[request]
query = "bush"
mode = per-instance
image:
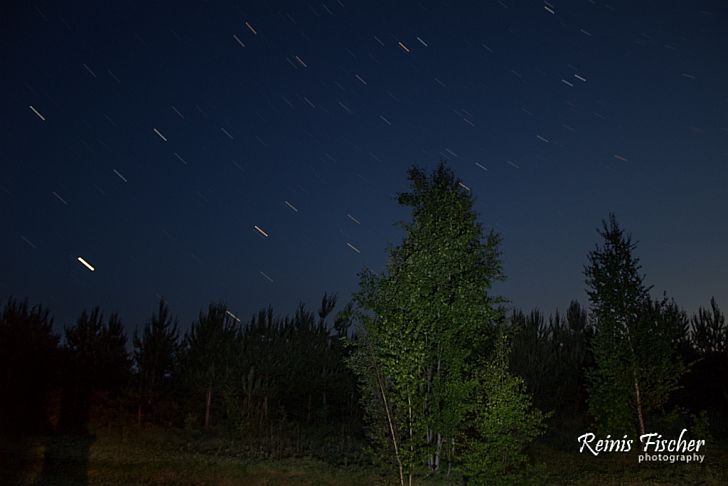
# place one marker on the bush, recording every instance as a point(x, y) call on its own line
point(505, 423)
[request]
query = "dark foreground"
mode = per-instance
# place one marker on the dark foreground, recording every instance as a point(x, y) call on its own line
point(166, 458)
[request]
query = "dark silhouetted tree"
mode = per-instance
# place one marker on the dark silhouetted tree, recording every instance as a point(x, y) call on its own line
point(709, 331)
point(207, 355)
point(551, 356)
point(28, 364)
point(707, 383)
point(637, 365)
point(97, 365)
point(155, 352)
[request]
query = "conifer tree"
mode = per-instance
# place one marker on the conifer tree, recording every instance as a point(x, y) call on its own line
point(155, 351)
point(709, 330)
point(96, 361)
point(28, 365)
point(207, 355)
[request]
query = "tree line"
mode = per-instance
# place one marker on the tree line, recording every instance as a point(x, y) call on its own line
point(426, 370)
point(270, 375)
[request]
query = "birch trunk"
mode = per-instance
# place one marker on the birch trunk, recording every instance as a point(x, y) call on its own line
point(640, 412)
point(380, 385)
point(208, 404)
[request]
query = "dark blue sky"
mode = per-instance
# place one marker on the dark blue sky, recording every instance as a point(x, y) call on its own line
point(554, 114)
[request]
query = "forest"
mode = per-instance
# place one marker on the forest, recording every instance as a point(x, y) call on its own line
point(425, 376)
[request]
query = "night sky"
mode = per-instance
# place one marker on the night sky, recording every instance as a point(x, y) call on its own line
point(152, 138)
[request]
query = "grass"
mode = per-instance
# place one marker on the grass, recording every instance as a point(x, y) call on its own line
point(160, 459)
point(623, 469)
point(178, 458)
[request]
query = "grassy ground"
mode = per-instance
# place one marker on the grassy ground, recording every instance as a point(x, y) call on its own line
point(150, 458)
point(572, 468)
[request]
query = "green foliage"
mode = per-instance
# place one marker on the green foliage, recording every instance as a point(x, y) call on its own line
point(504, 423)
point(658, 363)
point(611, 392)
point(427, 321)
point(634, 347)
point(701, 426)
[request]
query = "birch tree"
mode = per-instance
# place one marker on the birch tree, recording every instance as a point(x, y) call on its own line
point(427, 319)
point(636, 364)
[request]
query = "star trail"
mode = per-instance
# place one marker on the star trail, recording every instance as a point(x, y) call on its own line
point(250, 152)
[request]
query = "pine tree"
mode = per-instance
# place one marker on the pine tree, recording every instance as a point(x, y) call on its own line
point(96, 361)
point(28, 364)
point(707, 382)
point(207, 355)
point(709, 330)
point(550, 357)
point(155, 352)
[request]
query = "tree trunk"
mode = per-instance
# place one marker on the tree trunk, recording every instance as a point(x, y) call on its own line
point(208, 404)
point(450, 454)
point(265, 408)
point(391, 430)
point(380, 385)
point(439, 435)
point(412, 445)
point(640, 412)
point(308, 410)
